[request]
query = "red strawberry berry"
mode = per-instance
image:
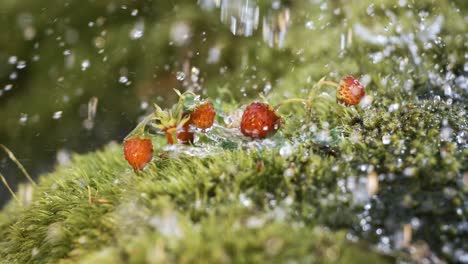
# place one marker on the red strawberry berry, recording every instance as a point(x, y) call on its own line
point(259, 121)
point(138, 152)
point(202, 117)
point(184, 135)
point(351, 91)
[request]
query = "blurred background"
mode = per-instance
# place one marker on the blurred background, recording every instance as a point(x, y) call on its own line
point(75, 75)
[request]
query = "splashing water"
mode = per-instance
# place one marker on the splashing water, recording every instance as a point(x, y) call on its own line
point(242, 16)
point(275, 26)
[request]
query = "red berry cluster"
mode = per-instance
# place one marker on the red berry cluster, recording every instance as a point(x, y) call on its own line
point(192, 115)
point(179, 124)
point(202, 118)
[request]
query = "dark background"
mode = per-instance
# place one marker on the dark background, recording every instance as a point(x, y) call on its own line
point(55, 56)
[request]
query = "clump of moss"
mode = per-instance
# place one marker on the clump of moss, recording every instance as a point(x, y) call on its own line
point(177, 210)
point(293, 199)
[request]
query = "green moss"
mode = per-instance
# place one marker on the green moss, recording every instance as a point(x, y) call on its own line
point(178, 209)
point(227, 207)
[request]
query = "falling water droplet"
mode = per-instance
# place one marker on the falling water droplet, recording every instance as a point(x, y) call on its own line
point(13, 76)
point(8, 87)
point(88, 123)
point(12, 60)
point(386, 139)
point(242, 16)
point(85, 65)
point(446, 133)
point(180, 33)
point(194, 74)
point(310, 25)
point(275, 27)
point(137, 30)
point(23, 118)
point(286, 150)
point(214, 55)
point(57, 115)
point(180, 76)
point(21, 65)
point(123, 79)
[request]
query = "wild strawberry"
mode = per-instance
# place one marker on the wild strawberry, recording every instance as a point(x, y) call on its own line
point(259, 121)
point(184, 135)
point(350, 92)
point(202, 117)
point(189, 111)
point(181, 132)
point(138, 152)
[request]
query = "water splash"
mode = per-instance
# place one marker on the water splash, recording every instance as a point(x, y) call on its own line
point(85, 64)
point(275, 27)
point(88, 123)
point(242, 16)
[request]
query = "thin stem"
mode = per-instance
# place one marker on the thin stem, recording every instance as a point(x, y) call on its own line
point(89, 195)
point(9, 189)
point(140, 128)
point(100, 200)
point(292, 100)
point(321, 83)
point(20, 166)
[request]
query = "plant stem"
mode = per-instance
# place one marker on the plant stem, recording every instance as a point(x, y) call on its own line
point(20, 166)
point(140, 128)
point(321, 83)
point(9, 189)
point(292, 100)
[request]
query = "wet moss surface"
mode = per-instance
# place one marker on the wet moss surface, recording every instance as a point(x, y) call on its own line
point(380, 182)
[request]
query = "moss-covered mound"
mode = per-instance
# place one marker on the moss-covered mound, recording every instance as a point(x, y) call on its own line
point(382, 181)
point(289, 198)
point(185, 210)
